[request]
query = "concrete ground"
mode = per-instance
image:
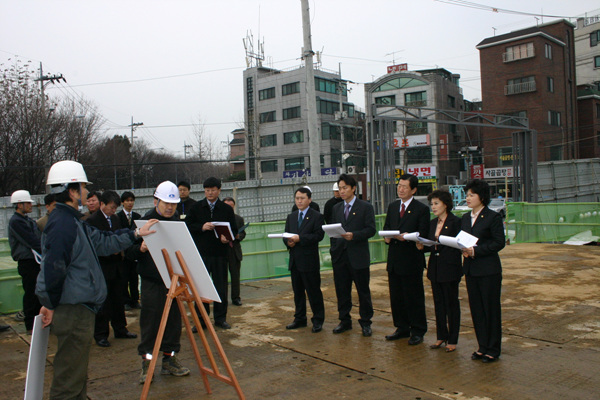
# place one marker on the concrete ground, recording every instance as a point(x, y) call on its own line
point(551, 348)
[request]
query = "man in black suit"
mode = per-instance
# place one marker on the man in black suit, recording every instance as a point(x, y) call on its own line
point(350, 255)
point(186, 203)
point(235, 256)
point(129, 275)
point(406, 263)
point(305, 265)
point(328, 209)
point(112, 310)
point(213, 250)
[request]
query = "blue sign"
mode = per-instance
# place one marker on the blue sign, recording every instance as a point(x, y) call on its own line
point(296, 173)
point(329, 171)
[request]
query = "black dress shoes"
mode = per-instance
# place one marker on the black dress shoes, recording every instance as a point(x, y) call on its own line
point(125, 335)
point(476, 356)
point(397, 335)
point(296, 325)
point(414, 340)
point(342, 327)
point(223, 325)
point(317, 327)
point(488, 359)
point(236, 302)
point(366, 330)
point(103, 343)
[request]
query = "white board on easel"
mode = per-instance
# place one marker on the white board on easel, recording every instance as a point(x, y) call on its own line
point(175, 236)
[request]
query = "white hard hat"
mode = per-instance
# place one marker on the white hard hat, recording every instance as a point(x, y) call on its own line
point(167, 192)
point(65, 172)
point(21, 196)
point(336, 188)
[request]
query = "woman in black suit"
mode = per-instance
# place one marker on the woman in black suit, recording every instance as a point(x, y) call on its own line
point(444, 271)
point(483, 270)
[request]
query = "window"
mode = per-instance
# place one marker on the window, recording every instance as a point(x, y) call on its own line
point(554, 118)
point(505, 156)
point(293, 112)
point(594, 38)
point(399, 83)
point(249, 93)
point(416, 127)
point(293, 137)
point(597, 62)
point(268, 116)
point(330, 132)
point(268, 140)
point(418, 155)
point(556, 153)
point(451, 102)
point(266, 93)
point(294, 163)
point(326, 85)
point(386, 100)
point(518, 52)
point(507, 121)
point(268, 166)
point(551, 85)
point(416, 99)
point(548, 51)
point(290, 88)
point(520, 85)
point(327, 106)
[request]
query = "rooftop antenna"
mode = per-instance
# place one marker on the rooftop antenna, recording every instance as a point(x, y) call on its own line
point(253, 58)
point(393, 54)
point(494, 30)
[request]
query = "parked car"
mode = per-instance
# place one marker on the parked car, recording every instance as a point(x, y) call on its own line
point(499, 205)
point(462, 206)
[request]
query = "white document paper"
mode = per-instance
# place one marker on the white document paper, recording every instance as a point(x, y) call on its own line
point(388, 233)
point(334, 230)
point(280, 235)
point(174, 236)
point(36, 366)
point(463, 240)
point(414, 237)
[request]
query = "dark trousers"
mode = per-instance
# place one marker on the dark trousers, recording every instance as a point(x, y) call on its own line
point(447, 310)
point(407, 299)
point(112, 311)
point(484, 301)
point(154, 297)
point(234, 271)
point(29, 270)
point(343, 276)
point(73, 325)
point(217, 268)
point(130, 282)
point(303, 284)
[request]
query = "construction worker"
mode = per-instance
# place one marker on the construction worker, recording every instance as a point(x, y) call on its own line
point(70, 285)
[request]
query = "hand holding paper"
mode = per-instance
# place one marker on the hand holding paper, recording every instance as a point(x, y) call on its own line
point(334, 230)
point(462, 241)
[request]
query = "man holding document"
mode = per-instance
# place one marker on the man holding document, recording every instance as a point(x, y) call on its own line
point(406, 263)
point(350, 255)
point(201, 221)
point(305, 266)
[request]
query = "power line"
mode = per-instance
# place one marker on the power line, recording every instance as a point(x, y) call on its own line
point(477, 6)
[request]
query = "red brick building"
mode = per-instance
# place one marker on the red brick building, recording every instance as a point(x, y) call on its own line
point(237, 146)
point(531, 73)
point(588, 105)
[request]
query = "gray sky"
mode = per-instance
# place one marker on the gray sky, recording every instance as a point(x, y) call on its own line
point(167, 63)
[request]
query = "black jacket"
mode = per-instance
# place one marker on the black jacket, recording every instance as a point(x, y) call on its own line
point(146, 267)
point(123, 219)
point(112, 263)
point(305, 254)
point(328, 209)
point(206, 241)
point(489, 229)
point(445, 263)
point(403, 256)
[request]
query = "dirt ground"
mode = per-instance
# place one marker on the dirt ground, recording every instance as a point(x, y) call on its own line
point(551, 344)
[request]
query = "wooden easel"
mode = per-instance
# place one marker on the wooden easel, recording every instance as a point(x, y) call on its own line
point(181, 285)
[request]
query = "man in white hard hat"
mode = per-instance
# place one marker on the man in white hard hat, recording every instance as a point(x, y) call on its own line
point(154, 292)
point(328, 209)
point(70, 285)
point(23, 237)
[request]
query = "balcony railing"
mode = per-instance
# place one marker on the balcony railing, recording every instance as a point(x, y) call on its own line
point(517, 88)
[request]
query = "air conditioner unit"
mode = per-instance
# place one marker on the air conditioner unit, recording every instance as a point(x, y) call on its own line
point(351, 169)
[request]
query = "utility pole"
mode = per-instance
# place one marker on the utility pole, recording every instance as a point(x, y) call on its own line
point(43, 78)
point(341, 119)
point(311, 101)
point(185, 149)
point(133, 127)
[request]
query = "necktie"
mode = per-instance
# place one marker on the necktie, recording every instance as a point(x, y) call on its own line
point(212, 208)
point(129, 218)
point(402, 209)
point(347, 211)
point(300, 218)
point(109, 222)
